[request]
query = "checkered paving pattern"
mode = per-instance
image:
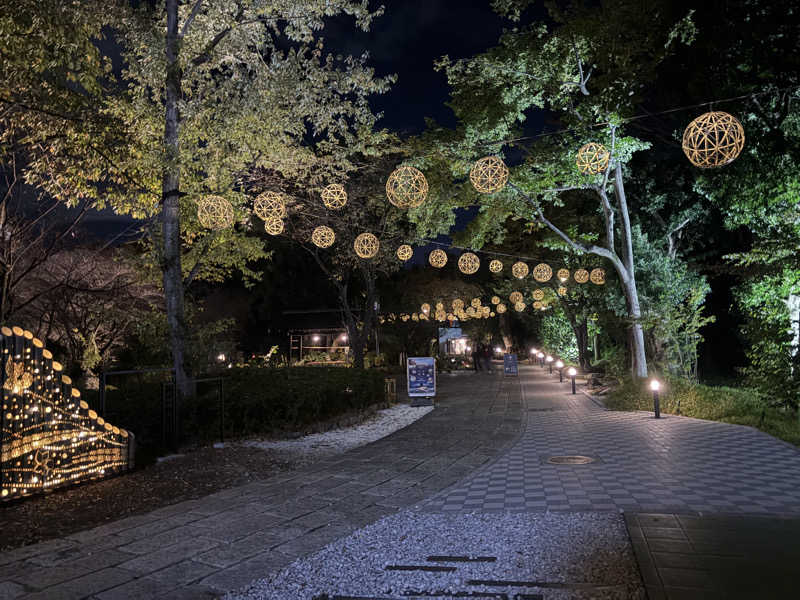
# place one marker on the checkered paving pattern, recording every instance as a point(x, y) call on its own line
point(672, 464)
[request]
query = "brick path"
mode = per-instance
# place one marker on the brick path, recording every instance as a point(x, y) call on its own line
point(200, 548)
point(673, 464)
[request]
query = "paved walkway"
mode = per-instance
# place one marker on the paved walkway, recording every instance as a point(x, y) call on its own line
point(484, 448)
point(200, 548)
point(672, 464)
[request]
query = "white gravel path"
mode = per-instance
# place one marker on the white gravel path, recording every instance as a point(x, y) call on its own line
point(571, 555)
point(313, 447)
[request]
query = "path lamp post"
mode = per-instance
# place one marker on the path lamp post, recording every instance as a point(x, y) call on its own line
point(572, 372)
point(549, 360)
point(560, 367)
point(655, 385)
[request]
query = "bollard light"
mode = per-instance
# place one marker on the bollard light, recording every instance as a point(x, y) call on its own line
point(560, 367)
point(572, 372)
point(655, 385)
point(549, 361)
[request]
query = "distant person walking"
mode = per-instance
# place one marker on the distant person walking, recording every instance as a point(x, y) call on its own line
point(476, 358)
point(487, 358)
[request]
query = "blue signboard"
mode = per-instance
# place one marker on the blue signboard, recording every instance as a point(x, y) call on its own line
point(421, 371)
point(510, 365)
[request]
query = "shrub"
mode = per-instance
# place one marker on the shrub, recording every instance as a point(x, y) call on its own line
point(714, 403)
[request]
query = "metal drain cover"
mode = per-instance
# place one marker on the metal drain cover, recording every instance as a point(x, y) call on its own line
point(570, 460)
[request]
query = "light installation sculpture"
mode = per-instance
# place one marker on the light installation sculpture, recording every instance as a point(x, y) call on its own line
point(269, 205)
point(713, 139)
point(323, 236)
point(469, 263)
point(495, 266)
point(437, 258)
point(215, 212)
point(366, 245)
point(489, 174)
point(519, 270)
point(593, 159)
point(405, 252)
point(334, 196)
point(406, 187)
point(597, 276)
point(581, 275)
point(49, 437)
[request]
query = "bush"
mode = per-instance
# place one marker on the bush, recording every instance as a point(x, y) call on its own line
point(258, 401)
point(724, 404)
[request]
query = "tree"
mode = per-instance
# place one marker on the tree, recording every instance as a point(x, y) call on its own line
point(536, 67)
point(208, 90)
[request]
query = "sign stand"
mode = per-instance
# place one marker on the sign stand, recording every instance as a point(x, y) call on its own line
point(421, 377)
point(510, 367)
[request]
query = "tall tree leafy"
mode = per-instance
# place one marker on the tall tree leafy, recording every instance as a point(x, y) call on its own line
point(207, 90)
point(590, 67)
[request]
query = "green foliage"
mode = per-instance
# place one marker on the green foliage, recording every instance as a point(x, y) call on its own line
point(725, 404)
point(557, 336)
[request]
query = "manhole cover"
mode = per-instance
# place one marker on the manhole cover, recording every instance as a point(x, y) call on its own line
point(570, 460)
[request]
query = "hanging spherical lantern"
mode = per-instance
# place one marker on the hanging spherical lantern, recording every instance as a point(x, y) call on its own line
point(366, 245)
point(537, 305)
point(563, 274)
point(519, 306)
point(437, 258)
point(476, 302)
point(495, 266)
point(334, 196)
point(501, 308)
point(542, 272)
point(406, 187)
point(405, 252)
point(538, 294)
point(598, 276)
point(713, 139)
point(458, 304)
point(414, 317)
point(515, 297)
point(404, 317)
point(468, 263)
point(273, 226)
point(489, 174)
point(269, 205)
point(425, 307)
point(495, 300)
point(519, 270)
point(581, 275)
point(562, 291)
point(492, 314)
point(450, 317)
point(592, 159)
point(423, 316)
point(323, 236)
point(440, 315)
point(215, 212)
point(470, 311)
point(440, 306)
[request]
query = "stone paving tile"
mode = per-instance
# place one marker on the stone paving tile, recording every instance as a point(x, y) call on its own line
point(200, 548)
point(668, 464)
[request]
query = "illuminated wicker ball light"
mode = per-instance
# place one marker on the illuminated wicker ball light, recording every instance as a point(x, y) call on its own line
point(495, 300)
point(489, 175)
point(519, 270)
point(406, 187)
point(501, 308)
point(323, 236)
point(426, 308)
point(274, 226)
point(542, 272)
point(215, 212)
point(537, 305)
point(495, 266)
point(270, 205)
point(593, 159)
point(334, 196)
point(581, 275)
point(366, 245)
point(437, 258)
point(469, 263)
point(476, 302)
point(562, 291)
point(538, 294)
point(597, 276)
point(458, 304)
point(713, 139)
point(563, 274)
point(405, 252)
point(519, 306)
point(515, 297)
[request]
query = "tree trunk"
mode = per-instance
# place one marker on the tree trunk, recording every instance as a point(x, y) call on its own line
point(170, 213)
point(582, 337)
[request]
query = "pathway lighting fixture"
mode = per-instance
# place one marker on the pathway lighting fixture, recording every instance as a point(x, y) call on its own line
point(560, 367)
point(549, 360)
point(315, 338)
point(541, 358)
point(221, 357)
point(469, 348)
point(498, 349)
point(572, 372)
point(655, 385)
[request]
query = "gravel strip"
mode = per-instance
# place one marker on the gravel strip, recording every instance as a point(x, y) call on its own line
point(569, 555)
point(313, 447)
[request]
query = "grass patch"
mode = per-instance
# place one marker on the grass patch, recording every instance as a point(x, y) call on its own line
point(713, 403)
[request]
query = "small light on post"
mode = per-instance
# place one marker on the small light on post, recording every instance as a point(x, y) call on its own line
point(572, 372)
point(221, 357)
point(498, 349)
point(655, 385)
point(560, 367)
point(315, 338)
point(549, 361)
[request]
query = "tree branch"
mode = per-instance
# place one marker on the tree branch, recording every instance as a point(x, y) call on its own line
point(203, 251)
point(190, 18)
